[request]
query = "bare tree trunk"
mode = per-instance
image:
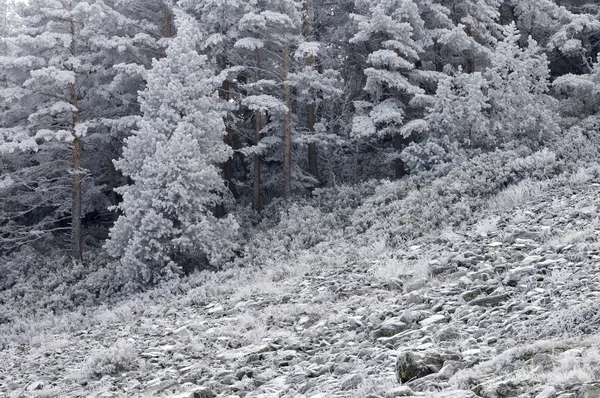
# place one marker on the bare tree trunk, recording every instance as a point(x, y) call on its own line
point(77, 197)
point(287, 126)
point(229, 136)
point(399, 145)
point(256, 197)
point(439, 64)
point(471, 54)
point(112, 181)
point(166, 27)
point(256, 194)
point(313, 159)
point(313, 154)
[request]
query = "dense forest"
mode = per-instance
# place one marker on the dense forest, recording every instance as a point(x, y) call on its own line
point(153, 138)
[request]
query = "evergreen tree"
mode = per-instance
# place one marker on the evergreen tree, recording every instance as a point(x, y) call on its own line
point(172, 160)
point(393, 31)
point(505, 106)
point(69, 79)
point(270, 32)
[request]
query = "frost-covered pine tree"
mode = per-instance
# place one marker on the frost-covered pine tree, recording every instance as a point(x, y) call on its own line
point(522, 112)
point(314, 86)
point(269, 33)
point(576, 42)
point(506, 105)
point(167, 222)
point(70, 89)
point(43, 116)
point(394, 31)
point(219, 23)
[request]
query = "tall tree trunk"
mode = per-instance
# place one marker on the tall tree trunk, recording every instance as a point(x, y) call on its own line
point(225, 94)
point(471, 54)
point(112, 181)
point(439, 64)
point(399, 145)
point(256, 197)
point(77, 197)
point(166, 27)
point(258, 120)
point(313, 164)
point(287, 125)
point(313, 154)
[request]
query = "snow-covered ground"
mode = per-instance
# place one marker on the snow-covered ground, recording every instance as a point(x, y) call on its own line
point(507, 305)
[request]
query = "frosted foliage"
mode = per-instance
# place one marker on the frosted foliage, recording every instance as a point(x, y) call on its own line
point(507, 102)
point(519, 80)
point(173, 161)
point(59, 82)
point(459, 110)
point(395, 32)
point(581, 93)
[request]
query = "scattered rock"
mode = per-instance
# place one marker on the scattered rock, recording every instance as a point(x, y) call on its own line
point(414, 365)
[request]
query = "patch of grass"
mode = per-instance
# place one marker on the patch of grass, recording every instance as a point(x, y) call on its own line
point(518, 194)
point(119, 358)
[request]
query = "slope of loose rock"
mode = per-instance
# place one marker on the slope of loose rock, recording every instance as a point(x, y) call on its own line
point(507, 306)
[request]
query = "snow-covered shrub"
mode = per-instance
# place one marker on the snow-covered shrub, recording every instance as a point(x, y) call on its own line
point(409, 208)
point(109, 361)
point(579, 144)
point(518, 194)
point(35, 283)
point(577, 320)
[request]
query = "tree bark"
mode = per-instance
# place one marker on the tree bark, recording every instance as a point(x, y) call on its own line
point(258, 120)
point(77, 197)
point(256, 197)
point(287, 125)
point(313, 156)
point(229, 136)
point(399, 145)
point(471, 54)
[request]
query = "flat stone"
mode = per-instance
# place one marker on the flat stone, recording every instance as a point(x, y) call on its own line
point(490, 301)
point(438, 318)
point(351, 382)
point(547, 392)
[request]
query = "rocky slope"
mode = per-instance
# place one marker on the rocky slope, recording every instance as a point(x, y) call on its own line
point(507, 306)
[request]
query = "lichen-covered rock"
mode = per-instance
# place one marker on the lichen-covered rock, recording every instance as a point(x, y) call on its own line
point(414, 365)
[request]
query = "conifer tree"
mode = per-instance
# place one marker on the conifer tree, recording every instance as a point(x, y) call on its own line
point(173, 159)
point(395, 32)
point(69, 81)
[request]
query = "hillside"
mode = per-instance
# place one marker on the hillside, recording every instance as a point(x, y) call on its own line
point(504, 305)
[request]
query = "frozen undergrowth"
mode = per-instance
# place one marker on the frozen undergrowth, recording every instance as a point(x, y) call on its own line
point(294, 256)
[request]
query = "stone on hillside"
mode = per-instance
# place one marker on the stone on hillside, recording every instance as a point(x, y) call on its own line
point(437, 269)
point(502, 389)
point(438, 318)
point(514, 276)
point(351, 382)
point(412, 365)
point(447, 334)
point(416, 285)
point(456, 394)
point(489, 301)
point(390, 328)
point(531, 260)
point(36, 385)
point(471, 294)
point(548, 392)
point(402, 391)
